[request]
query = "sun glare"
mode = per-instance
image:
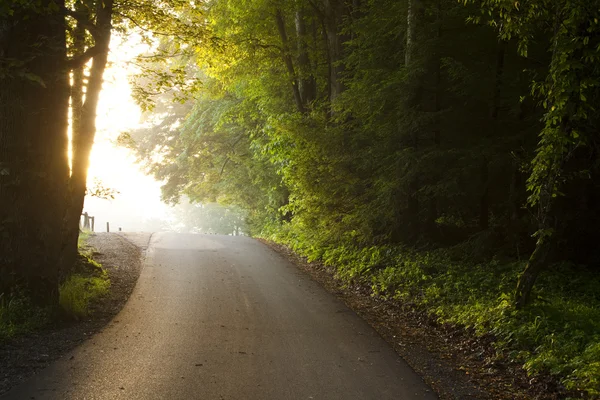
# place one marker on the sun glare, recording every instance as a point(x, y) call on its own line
point(115, 167)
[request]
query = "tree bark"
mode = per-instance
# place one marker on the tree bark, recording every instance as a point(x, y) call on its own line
point(484, 201)
point(33, 151)
point(437, 107)
point(414, 19)
point(307, 83)
point(500, 54)
point(78, 75)
point(84, 133)
point(535, 265)
point(334, 14)
point(287, 59)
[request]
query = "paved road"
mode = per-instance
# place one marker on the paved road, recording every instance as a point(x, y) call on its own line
point(219, 317)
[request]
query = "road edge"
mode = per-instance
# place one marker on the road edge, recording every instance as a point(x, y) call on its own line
point(24, 356)
point(413, 335)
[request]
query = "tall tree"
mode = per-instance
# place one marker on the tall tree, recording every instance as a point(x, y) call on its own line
point(566, 93)
point(96, 18)
point(34, 169)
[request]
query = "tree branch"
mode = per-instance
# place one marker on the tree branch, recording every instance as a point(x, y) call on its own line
point(223, 167)
point(140, 26)
point(316, 8)
point(287, 59)
point(83, 58)
point(83, 20)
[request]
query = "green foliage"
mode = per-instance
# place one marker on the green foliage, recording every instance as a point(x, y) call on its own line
point(428, 180)
point(97, 189)
point(569, 91)
point(557, 334)
point(18, 316)
point(88, 282)
point(82, 240)
point(76, 293)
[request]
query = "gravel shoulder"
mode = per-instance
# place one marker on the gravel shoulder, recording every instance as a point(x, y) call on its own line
point(122, 257)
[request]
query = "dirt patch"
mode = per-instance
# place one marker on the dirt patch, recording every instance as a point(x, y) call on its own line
point(453, 361)
point(22, 357)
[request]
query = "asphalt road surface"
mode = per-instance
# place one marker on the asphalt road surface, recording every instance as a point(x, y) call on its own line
point(220, 317)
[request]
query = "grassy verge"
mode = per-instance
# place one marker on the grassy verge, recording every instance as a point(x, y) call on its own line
point(87, 282)
point(559, 334)
point(18, 316)
point(82, 287)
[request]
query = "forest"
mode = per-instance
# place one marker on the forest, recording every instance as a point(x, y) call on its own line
point(443, 152)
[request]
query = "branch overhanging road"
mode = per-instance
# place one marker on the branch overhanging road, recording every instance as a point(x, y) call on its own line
point(220, 317)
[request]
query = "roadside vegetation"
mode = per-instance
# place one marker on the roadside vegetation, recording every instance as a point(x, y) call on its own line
point(443, 152)
point(87, 283)
point(558, 334)
point(18, 316)
point(80, 286)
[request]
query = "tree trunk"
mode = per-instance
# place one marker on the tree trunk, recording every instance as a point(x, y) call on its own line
point(414, 16)
point(78, 76)
point(334, 14)
point(307, 83)
point(33, 151)
point(484, 200)
point(535, 265)
point(414, 210)
point(495, 109)
point(515, 227)
point(414, 19)
point(83, 134)
point(437, 107)
point(287, 58)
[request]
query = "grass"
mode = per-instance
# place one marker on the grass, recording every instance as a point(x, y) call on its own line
point(18, 316)
point(82, 239)
point(89, 282)
point(78, 291)
point(558, 334)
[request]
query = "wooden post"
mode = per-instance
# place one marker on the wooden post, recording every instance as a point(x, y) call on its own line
point(93, 219)
point(86, 220)
point(107, 227)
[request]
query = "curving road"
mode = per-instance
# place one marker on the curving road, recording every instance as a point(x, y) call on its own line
point(220, 317)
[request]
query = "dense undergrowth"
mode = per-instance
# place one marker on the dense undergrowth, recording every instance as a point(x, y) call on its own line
point(558, 334)
point(86, 282)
